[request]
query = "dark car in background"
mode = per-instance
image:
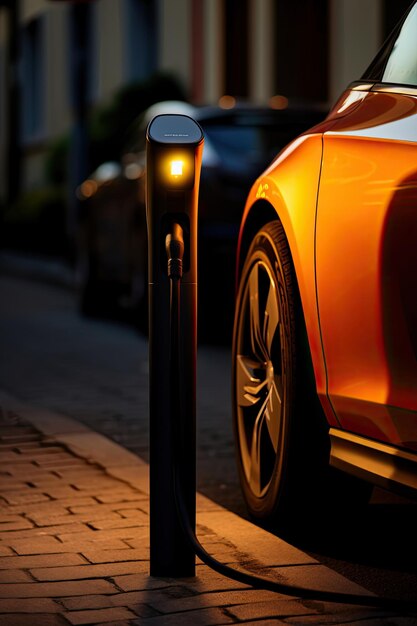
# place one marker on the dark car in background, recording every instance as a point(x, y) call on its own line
point(239, 143)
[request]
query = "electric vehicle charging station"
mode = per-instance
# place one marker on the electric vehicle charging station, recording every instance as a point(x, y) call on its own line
point(174, 150)
point(174, 153)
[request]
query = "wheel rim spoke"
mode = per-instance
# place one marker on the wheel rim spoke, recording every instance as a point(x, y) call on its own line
point(255, 448)
point(273, 416)
point(249, 385)
point(255, 466)
point(257, 342)
point(260, 379)
point(271, 319)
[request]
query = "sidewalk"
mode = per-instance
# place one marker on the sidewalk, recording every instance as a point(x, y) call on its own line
point(75, 550)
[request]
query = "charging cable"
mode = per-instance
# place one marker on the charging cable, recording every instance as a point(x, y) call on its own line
point(174, 244)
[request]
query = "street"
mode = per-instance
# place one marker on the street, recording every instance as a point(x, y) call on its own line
point(97, 372)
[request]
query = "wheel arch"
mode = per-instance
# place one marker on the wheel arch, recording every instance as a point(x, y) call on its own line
point(261, 212)
point(288, 191)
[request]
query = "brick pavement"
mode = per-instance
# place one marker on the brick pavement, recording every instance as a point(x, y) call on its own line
point(74, 545)
point(97, 372)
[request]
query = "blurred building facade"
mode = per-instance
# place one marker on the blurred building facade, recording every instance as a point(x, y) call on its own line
point(249, 49)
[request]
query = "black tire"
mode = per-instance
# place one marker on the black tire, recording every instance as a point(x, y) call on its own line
point(281, 434)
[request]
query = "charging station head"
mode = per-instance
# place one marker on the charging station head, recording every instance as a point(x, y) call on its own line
point(173, 141)
point(174, 130)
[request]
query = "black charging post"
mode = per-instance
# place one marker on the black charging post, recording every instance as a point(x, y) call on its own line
point(174, 150)
point(173, 160)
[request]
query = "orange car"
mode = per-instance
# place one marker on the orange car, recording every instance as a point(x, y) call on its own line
point(325, 333)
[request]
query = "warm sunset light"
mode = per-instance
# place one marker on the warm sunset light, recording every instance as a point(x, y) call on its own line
point(208, 288)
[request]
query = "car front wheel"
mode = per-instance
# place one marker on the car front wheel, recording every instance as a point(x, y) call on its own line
point(281, 434)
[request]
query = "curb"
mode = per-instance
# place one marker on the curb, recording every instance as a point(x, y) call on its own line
point(264, 551)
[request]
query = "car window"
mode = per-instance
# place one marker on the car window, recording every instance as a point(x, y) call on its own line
point(402, 63)
point(396, 62)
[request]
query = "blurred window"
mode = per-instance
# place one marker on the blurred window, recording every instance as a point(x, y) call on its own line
point(92, 52)
point(301, 41)
point(402, 63)
point(236, 43)
point(33, 79)
point(83, 53)
point(140, 39)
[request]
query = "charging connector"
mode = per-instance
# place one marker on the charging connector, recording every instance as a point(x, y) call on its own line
point(174, 245)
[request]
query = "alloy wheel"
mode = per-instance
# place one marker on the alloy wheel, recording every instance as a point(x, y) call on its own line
point(260, 376)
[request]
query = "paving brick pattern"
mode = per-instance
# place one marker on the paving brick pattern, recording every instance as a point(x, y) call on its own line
point(98, 374)
point(74, 550)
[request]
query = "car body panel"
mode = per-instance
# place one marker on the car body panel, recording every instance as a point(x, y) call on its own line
point(366, 267)
point(360, 307)
point(294, 199)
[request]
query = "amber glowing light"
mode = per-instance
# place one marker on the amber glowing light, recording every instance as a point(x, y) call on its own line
point(176, 168)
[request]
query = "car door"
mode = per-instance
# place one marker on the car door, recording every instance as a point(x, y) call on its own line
point(366, 247)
